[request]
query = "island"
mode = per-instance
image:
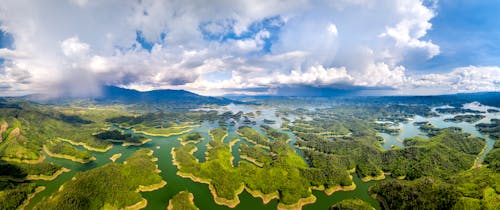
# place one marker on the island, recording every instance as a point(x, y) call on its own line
point(109, 186)
point(184, 200)
point(61, 149)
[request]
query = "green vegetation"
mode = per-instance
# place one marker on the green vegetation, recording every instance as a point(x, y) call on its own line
point(16, 147)
point(473, 189)
point(491, 129)
point(456, 151)
point(163, 131)
point(119, 136)
point(12, 195)
point(253, 136)
point(455, 110)
point(110, 186)
point(191, 138)
point(493, 158)
point(282, 168)
point(218, 134)
point(65, 150)
point(469, 118)
point(22, 171)
point(182, 201)
point(352, 204)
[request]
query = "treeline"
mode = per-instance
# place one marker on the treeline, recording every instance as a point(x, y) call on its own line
point(119, 136)
point(471, 189)
point(22, 170)
point(491, 129)
point(455, 151)
point(253, 136)
point(12, 195)
point(109, 186)
point(191, 138)
point(493, 157)
point(282, 169)
point(64, 148)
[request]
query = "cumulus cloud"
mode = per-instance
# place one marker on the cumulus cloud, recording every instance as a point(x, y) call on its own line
point(72, 47)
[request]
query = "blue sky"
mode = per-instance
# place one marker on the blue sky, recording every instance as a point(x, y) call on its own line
point(260, 47)
point(467, 32)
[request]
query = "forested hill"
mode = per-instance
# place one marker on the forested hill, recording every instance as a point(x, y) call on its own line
point(156, 99)
point(112, 94)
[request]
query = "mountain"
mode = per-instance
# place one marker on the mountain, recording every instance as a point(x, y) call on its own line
point(112, 94)
point(155, 99)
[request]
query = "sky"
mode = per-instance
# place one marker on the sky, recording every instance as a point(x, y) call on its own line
point(258, 47)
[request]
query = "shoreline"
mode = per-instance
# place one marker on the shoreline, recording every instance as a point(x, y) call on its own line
point(476, 163)
point(266, 198)
point(84, 145)
point(218, 200)
point(183, 143)
point(139, 205)
point(15, 160)
point(68, 157)
point(231, 203)
point(152, 187)
point(191, 201)
point(162, 135)
point(115, 157)
point(126, 144)
point(47, 177)
point(252, 160)
point(252, 141)
point(297, 206)
point(31, 196)
point(222, 139)
point(372, 178)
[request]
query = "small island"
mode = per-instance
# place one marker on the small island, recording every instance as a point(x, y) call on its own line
point(119, 136)
point(115, 157)
point(353, 203)
point(61, 149)
point(184, 200)
point(193, 138)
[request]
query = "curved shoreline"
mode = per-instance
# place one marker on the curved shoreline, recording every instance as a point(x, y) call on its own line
point(252, 141)
point(266, 198)
point(222, 139)
point(126, 144)
point(191, 201)
point(139, 205)
point(84, 145)
point(31, 196)
point(47, 177)
point(162, 135)
point(220, 201)
point(252, 160)
point(152, 187)
point(372, 178)
point(115, 157)
point(297, 206)
point(196, 141)
point(69, 157)
point(15, 160)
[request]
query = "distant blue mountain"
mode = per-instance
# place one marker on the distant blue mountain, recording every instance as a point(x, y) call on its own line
point(112, 94)
point(158, 99)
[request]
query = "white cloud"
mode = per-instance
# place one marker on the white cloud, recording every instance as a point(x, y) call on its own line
point(72, 47)
point(332, 28)
point(462, 79)
point(65, 45)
